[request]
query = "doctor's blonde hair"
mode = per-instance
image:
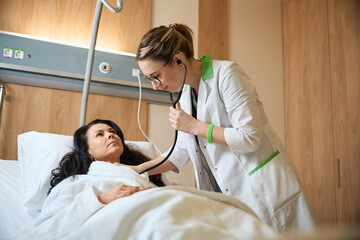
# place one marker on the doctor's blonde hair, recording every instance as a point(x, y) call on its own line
point(162, 43)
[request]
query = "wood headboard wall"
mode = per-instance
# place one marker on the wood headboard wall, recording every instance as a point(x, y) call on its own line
point(71, 21)
point(56, 111)
point(213, 31)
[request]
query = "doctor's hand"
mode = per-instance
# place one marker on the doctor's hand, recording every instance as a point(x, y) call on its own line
point(117, 192)
point(182, 121)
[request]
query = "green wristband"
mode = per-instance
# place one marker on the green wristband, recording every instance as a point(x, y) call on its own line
point(209, 133)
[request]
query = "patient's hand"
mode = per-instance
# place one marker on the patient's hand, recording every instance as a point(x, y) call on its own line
point(118, 192)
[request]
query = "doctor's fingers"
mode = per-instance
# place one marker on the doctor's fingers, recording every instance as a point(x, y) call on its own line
point(177, 109)
point(177, 113)
point(173, 115)
point(175, 122)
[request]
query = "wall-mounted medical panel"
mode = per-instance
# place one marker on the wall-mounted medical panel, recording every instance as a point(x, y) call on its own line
point(47, 63)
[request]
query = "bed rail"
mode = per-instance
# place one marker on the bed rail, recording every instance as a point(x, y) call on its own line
point(2, 94)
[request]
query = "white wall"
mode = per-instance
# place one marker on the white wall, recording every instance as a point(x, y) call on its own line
point(166, 12)
point(255, 39)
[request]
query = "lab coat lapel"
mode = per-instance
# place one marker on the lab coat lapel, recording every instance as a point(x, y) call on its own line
point(202, 99)
point(186, 101)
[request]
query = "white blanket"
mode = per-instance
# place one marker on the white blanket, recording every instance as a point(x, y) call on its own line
point(72, 211)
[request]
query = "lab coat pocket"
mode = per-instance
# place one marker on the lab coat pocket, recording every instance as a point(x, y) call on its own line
point(276, 183)
point(272, 175)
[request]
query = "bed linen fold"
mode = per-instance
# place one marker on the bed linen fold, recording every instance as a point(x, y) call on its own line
point(72, 211)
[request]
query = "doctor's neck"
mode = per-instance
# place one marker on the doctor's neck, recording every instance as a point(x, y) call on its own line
point(194, 73)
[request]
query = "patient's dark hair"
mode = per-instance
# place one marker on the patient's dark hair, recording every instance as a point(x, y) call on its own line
point(78, 160)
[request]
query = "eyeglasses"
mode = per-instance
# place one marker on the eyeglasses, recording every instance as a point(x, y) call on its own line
point(155, 79)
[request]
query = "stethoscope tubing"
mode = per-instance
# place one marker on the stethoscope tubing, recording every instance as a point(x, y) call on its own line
point(176, 131)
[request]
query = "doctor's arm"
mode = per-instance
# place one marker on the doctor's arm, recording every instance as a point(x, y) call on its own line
point(239, 98)
point(166, 166)
point(184, 122)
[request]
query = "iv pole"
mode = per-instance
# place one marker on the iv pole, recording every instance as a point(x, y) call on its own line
point(90, 59)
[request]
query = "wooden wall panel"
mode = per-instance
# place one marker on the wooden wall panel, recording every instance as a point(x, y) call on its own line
point(286, 1)
point(71, 21)
point(308, 103)
point(213, 29)
point(55, 111)
point(344, 38)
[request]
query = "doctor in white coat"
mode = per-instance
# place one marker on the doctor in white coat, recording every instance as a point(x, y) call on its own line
point(223, 129)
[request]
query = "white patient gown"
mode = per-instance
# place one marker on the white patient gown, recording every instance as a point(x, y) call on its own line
point(74, 200)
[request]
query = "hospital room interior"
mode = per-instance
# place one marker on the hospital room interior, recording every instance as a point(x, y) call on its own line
point(303, 56)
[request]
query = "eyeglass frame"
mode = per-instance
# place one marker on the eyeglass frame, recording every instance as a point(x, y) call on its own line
point(155, 79)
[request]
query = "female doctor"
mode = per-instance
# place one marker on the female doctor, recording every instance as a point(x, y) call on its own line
point(223, 129)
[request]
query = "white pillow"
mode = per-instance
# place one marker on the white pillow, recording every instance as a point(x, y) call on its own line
point(146, 148)
point(39, 153)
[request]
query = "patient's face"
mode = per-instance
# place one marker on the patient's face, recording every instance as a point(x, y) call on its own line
point(104, 143)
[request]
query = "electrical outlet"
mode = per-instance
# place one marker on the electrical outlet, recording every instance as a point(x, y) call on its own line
point(19, 53)
point(8, 52)
point(135, 72)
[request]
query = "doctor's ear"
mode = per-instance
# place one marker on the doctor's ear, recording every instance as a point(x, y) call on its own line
point(178, 59)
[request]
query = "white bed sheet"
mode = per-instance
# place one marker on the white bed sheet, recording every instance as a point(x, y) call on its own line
point(14, 220)
point(138, 218)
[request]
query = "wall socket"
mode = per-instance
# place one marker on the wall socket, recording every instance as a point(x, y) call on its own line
point(135, 72)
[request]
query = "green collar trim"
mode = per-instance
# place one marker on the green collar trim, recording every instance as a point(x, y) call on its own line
point(206, 71)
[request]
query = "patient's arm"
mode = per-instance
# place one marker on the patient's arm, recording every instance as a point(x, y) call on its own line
point(71, 203)
point(117, 192)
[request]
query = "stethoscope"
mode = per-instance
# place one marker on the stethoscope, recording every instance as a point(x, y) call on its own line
point(176, 131)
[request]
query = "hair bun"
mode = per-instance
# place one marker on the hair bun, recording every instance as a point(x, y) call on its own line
point(162, 42)
point(175, 26)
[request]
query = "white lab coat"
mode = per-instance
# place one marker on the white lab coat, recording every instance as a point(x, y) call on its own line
point(273, 192)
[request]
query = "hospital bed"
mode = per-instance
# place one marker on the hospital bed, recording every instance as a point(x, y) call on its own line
point(171, 212)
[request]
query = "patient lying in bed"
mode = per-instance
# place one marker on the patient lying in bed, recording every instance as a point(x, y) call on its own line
point(94, 196)
point(92, 174)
